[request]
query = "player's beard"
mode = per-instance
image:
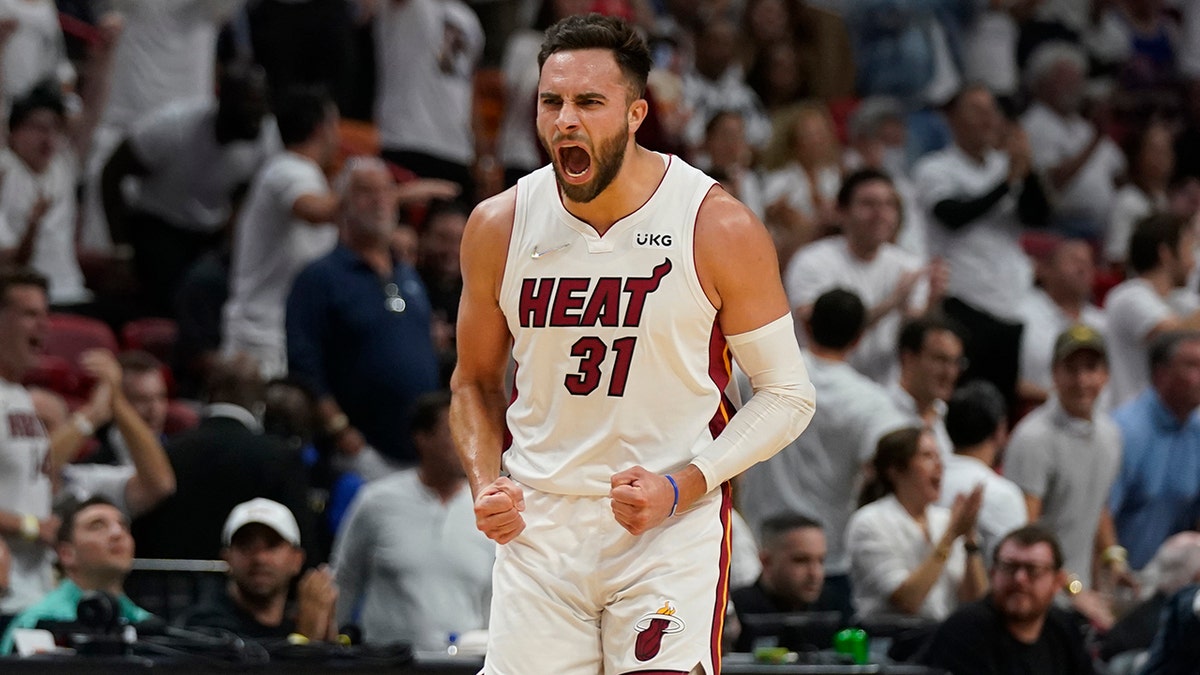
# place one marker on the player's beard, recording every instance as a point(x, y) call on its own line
point(607, 158)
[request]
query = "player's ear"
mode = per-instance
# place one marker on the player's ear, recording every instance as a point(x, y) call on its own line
point(637, 114)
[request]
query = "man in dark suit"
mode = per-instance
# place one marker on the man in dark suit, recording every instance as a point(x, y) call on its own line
point(223, 462)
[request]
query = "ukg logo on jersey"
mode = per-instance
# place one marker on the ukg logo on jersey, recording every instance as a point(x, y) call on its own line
point(650, 240)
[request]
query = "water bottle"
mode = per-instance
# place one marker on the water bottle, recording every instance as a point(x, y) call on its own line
point(853, 643)
point(452, 644)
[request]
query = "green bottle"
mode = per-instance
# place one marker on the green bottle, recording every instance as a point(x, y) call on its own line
point(852, 642)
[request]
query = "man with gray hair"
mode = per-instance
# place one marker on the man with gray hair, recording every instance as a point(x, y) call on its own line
point(358, 325)
point(1078, 161)
point(1157, 491)
point(1175, 565)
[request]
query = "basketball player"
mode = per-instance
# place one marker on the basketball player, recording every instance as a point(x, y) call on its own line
point(621, 279)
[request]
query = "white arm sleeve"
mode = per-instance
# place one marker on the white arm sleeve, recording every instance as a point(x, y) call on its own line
point(782, 406)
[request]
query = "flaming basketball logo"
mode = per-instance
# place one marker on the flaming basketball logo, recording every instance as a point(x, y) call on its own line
point(652, 627)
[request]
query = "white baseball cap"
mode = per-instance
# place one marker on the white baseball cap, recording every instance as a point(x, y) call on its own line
point(265, 512)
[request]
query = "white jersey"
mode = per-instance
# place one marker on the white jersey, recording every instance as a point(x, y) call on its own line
point(620, 361)
point(24, 488)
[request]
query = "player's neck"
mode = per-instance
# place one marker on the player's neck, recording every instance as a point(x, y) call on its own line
point(635, 184)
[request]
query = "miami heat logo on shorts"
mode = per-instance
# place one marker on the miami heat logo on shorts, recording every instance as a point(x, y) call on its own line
point(652, 627)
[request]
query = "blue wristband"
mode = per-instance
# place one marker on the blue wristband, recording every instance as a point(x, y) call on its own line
point(675, 487)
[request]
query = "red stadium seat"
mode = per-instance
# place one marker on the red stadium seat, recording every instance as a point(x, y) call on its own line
point(180, 417)
point(70, 335)
point(53, 373)
point(154, 335)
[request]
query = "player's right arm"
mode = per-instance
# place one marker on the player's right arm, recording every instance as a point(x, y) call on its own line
point(478, 398)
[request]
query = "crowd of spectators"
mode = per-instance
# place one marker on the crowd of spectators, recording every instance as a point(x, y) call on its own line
point(986, 215)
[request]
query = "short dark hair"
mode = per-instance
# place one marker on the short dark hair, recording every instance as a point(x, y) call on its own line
point(781, 523)
point(300, 111)
point(913, 332)
point(46, 95)
point(1151, 232)
point(855, 180)
point(66, 530)
point(974, 412)
point(838, 318)
point(1163, 346)
point(719, 115)
point(952, 103)
point(595, 31)
point(427, 409)
point(136, 361)
point(1030, 535)
point(11, 277)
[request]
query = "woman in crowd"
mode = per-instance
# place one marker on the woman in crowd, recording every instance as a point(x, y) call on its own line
point(907, 555)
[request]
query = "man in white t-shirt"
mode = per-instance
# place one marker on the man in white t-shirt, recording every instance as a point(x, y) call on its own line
point(978, 197)
point(978, 426)
point(427, 52)
point(1079, 162)
point(931, 361)
point(26, 523)
point(285, 224)
point(40, 169)
point(1161, 256)
point(191, 159)
point(818, 473)
point(1062, 299)
point(167, 54)
point(891, 282)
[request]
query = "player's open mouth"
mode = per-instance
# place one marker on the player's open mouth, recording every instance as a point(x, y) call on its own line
point(575, 162)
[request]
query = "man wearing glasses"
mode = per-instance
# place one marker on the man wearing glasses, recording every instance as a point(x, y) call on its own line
point(1016, 628)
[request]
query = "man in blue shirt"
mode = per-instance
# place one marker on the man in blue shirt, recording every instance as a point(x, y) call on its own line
point(1157, 491)
point(358, 325)
point(95, 551)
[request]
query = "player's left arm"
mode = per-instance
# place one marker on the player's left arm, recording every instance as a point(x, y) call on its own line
point(739, 270)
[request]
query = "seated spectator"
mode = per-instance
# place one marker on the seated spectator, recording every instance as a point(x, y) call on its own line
point(715, 83)
point(144, 479)
point(1175, 650)
point(26, 522)
point(95, 551)
point(1061, 300)
point(409, 556)
point(191, 159)
point(891, 282)
point(978, 426)
point(931, 359)
point(793, 572)
point(438, 251)
point(261, 543)
point(223, 462)
point(906, 556)
point(728, 158)
point(1157, 490)
point(41, 167)
point(1064, 456)
point(1174, 566)
point(1078, 161)
point(817, 474)
point(1150, 154)
point(1139, 309)
point(1016, 628)
point(878, 134)
point(801, 189)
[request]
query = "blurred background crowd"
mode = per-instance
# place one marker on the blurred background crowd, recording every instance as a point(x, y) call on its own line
point(233, 228)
